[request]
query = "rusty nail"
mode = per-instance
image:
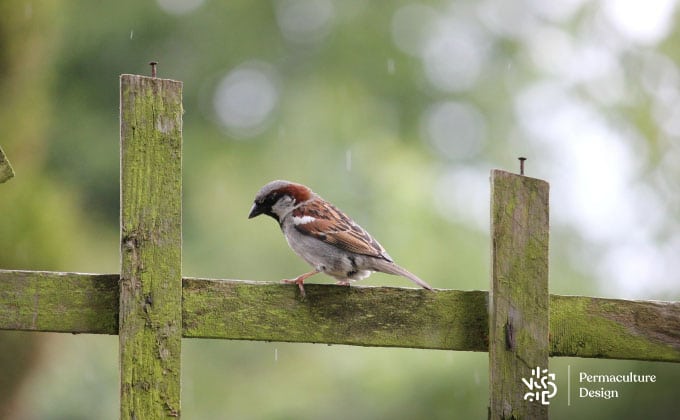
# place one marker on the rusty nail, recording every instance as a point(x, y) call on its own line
point(521, 165)
point(153, 68)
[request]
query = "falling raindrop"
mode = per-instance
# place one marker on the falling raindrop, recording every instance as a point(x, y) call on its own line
point(391, 68)
point(348, 160)
point(132, 33)
point(276, 355)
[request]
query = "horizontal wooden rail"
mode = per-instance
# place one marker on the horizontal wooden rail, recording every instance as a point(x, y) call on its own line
point(59, 302)
point(367, 316)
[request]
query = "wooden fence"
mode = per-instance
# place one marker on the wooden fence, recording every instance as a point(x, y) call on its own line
point(151, 307)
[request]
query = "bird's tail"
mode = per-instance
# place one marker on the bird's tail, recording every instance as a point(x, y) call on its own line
point(392, 268)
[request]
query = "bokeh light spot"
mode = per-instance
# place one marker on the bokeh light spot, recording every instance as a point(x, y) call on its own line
point(453, 129)
point(246, 98)
point(179, 7)
point(410, 25)
point(304, 21)
point(454, 55)
point(646, 22)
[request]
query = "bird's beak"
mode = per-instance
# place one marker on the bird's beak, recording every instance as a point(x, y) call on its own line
point(255, 211)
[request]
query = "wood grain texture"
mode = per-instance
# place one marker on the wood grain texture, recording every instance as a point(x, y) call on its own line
point(245, 310)
point(519, 299)
point(59, 302)
point(150, 317)
point(366, 316)
point(582, 326)
point(229, 309)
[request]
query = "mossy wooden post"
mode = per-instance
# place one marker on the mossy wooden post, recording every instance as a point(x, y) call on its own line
point(150, 313)
point(6, 171)
point(519, 299)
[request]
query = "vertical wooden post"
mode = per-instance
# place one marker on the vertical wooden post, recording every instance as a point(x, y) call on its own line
point(519, 299)
point(6, 171)
point(150, 317)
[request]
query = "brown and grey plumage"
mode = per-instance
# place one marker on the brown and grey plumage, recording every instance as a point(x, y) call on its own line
point(325, 237)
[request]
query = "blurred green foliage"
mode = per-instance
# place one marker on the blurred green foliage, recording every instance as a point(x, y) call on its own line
point(398, 127)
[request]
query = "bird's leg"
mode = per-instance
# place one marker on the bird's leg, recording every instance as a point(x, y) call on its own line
point(300, 280)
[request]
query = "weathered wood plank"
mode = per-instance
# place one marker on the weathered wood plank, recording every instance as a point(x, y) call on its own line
point(6, 171)
point(59, 302)
point(225, 309)
point(519, 299)
point(150, 319)
point(366, 316)
point(614, 329)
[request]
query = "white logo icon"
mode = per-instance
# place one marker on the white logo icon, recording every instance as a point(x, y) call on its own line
point(541, 386)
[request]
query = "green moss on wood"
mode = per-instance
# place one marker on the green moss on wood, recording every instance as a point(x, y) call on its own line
point(59, 302)
point(245, 310)
point(615, 329)
point(365, 316)
point(518, 319)
point(6, 171)
point(150, 319)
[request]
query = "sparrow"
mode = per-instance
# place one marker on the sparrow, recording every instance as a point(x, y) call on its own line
point(325, 237)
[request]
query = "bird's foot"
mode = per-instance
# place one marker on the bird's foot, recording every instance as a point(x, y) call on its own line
point(300, 281)
point(342, 283)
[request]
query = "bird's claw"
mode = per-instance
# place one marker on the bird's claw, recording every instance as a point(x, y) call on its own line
point(299, 281)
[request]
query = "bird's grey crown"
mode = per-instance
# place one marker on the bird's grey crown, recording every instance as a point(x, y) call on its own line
point(272, 186)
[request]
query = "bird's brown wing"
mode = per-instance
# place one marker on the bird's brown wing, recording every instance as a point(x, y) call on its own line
point(329, 224)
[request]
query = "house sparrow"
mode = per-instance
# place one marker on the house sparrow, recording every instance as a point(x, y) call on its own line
point(324, 236)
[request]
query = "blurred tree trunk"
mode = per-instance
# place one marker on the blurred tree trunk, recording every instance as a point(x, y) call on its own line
point(29, 34)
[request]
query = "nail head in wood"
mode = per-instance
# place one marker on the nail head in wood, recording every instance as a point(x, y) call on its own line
point(153, 65)
point(521, 165)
